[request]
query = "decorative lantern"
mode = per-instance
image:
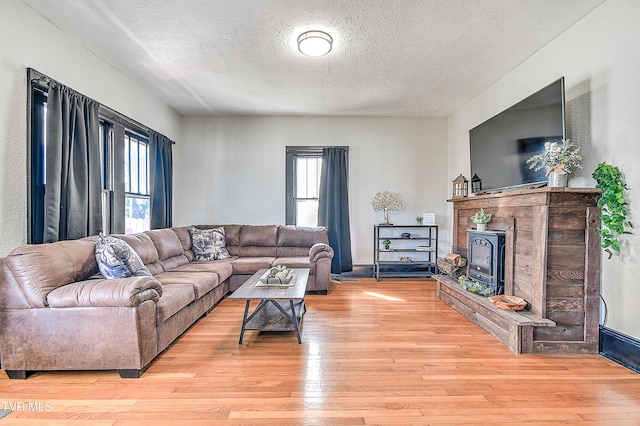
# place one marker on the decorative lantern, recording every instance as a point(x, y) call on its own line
point(476, 183)
point(460, 187)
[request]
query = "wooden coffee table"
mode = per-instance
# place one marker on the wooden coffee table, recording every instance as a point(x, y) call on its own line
point(280, 308)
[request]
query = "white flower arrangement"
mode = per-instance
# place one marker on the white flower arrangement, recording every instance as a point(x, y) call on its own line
point(560, 158)
point(386, 201)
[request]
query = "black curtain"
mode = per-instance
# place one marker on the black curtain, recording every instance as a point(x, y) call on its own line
point(73, 186)
point(333, 208)
point(161, 182)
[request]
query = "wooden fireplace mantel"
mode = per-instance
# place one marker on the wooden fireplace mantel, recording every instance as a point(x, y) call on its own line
point(552, 260)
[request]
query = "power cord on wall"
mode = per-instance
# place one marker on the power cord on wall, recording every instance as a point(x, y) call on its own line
point(604, 319)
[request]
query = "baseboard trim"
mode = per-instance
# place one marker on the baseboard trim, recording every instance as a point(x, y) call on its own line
point(358, 271)
point(620, 348)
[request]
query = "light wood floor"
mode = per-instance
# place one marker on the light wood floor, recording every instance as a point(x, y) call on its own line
point(385, 353)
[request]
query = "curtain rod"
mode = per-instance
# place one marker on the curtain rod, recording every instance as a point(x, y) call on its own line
point(290, 148)
point(42, 82)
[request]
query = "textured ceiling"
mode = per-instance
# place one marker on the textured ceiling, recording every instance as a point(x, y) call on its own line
point(239, 57)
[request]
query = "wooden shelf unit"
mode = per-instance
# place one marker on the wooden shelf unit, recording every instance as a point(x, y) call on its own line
point(552, 259)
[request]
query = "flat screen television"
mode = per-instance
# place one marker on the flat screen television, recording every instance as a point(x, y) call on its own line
point(501, 146)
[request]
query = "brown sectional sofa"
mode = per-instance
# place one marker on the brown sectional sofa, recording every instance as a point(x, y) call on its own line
point(56, 313)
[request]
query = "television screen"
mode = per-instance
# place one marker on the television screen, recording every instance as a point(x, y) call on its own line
point(501, 146)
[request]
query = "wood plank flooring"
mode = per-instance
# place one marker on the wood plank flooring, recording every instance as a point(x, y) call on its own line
point(386, 353)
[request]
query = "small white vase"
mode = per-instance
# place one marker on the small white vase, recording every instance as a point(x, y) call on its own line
point(481, 227)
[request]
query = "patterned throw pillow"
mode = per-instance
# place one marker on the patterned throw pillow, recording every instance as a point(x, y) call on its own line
point(208, 244)
point(116, 259)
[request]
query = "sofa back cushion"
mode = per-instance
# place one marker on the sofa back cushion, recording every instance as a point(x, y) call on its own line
point(142, 244)
point(182, 232)
point(39, 269)
point(169, 247)
point(261, 240)
point(297, 240)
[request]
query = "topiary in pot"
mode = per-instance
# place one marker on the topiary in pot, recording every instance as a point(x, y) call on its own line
point(481, 219)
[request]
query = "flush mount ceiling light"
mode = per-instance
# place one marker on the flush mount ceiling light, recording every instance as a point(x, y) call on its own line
point(314, 43)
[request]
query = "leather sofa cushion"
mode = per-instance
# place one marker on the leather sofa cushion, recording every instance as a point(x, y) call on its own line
point(166, 242)
point(145, 248)
point(259, 236)
point(288, 251)
point(222, 268)
point(126, 292)
point(253, 251)
point(182, 232)
point(143, 245)
point(183, 235)
point(174, 298)
point(41, 268)
point(300, 236)
point(251, 265)
point(170, 248)
point(202, 282)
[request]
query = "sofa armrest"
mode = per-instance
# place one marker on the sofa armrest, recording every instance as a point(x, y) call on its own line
point(119, 292)
point(320, 251)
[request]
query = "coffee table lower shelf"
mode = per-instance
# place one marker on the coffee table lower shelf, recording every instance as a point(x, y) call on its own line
point(274, 315)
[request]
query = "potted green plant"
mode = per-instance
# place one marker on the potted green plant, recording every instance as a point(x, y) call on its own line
point(419, 220)
point(560, 160)
point(613, 207)
point(481, 219)
point(386, 244)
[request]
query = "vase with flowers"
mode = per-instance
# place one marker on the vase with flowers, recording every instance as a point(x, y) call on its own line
point(386, 201)
point(560, 159)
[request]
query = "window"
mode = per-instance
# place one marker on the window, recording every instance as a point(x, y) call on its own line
point(124, 166)
point(136, 183)
point(303, 168)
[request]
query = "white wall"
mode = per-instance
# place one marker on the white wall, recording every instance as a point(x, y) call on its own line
point(600, 59)
point(27, 40)
point(232, 170)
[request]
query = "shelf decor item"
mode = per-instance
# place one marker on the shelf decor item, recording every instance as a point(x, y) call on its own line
point(481, 219)
point(386, 244)
point(386, 201)
point(428, 218)
point(476, 183)
point(560, 160)
point(277, 275)
point(419, 220)
point(508, 303)
point(460, 187)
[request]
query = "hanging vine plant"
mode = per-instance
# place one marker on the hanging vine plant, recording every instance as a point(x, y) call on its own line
point(614, 207)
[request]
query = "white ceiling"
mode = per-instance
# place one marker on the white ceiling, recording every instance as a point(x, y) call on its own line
point(239, 57)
